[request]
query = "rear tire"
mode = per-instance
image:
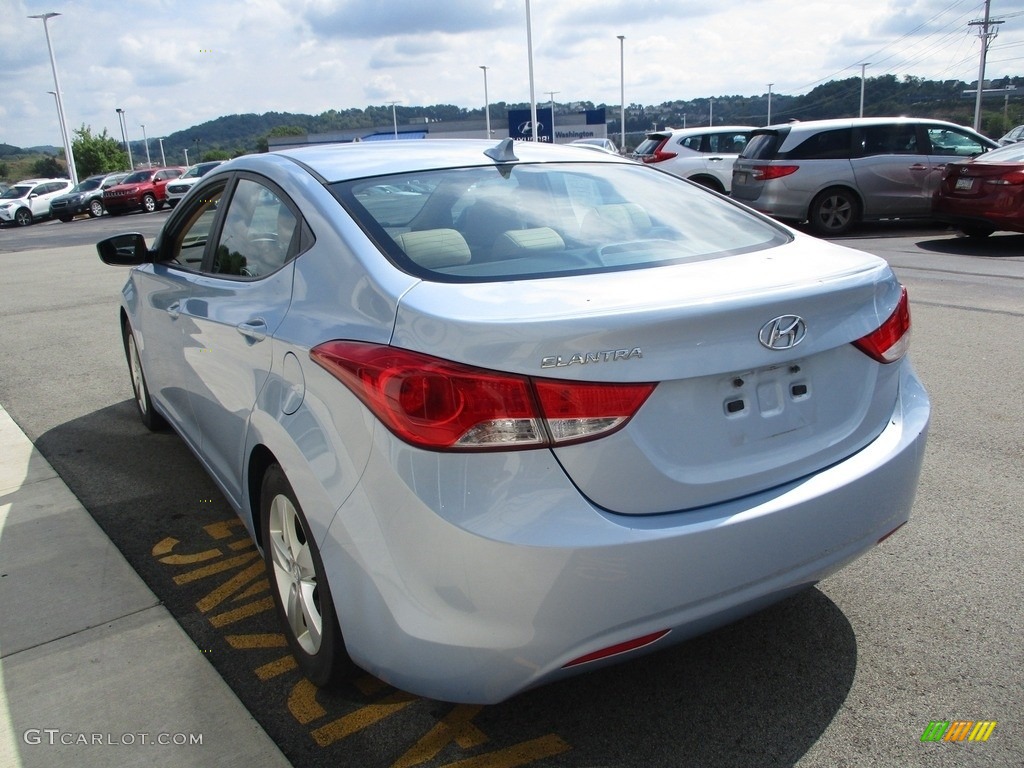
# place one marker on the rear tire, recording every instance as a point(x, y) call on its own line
point(709, 182)
point(150, 419)
point(833, 212)
point(977, 231)
point(298, 583)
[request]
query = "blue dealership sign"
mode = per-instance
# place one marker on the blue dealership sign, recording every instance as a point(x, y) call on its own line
point(520, 125)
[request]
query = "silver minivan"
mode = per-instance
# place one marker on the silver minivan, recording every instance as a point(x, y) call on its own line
point(835, 173)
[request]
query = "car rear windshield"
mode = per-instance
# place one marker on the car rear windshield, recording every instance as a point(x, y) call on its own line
point(762, 146)
point(540, 220)
point(649, 145)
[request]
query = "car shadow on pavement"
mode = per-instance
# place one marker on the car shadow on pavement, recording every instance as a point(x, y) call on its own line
point(758, 692)
point(1000, 245)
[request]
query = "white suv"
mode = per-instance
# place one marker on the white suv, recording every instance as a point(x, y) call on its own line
point(704, 155)
point(29, 200)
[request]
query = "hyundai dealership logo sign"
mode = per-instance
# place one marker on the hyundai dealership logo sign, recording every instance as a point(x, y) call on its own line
point(520, 125)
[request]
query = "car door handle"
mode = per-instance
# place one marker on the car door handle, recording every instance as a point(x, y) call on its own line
point(715, 159)
point(919, 167)
point(174, 309)
point(254, 330)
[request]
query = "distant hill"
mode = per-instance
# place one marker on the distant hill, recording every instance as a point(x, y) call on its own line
point(886, 95)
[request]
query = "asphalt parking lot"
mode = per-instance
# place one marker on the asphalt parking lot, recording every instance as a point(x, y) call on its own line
point(925, 628)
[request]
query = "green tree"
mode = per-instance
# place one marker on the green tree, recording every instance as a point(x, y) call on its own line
point(97, 154)
point(215, 154)
point(49, 168)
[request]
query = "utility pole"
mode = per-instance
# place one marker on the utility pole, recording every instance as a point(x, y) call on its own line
point(986, 35)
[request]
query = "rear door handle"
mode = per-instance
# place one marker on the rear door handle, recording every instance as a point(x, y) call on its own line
point(254, 330)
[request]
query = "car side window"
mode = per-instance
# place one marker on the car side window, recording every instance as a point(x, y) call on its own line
point(893, 139)
point(692, 143)
point(951, 142)
point(824, 145)
point(260, 233)
point(188, 243)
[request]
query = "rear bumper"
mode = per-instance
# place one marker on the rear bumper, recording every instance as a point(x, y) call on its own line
point(495, 573)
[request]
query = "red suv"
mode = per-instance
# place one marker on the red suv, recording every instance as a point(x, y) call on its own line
point(141, 190)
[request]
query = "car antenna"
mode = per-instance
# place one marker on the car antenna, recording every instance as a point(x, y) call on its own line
point(503, 152)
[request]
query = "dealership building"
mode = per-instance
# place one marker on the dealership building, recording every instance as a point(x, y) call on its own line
point(559, 128)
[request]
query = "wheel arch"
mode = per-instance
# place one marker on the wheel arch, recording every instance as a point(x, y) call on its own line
point(261, 459)
point(706, 180)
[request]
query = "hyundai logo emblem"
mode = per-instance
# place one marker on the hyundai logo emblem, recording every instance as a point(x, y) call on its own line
point(784, 332)
point(527, 128)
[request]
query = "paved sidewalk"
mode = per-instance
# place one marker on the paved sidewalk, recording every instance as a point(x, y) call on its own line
point(93, 669)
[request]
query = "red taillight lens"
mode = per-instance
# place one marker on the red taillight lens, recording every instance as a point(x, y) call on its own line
point(1010, 178)
point(441, 405)
point(659, 156)
point(891, 340)
point(769, 172)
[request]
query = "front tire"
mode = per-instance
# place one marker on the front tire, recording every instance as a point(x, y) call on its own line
point(833, 212)
point(298, 583)
point(148, 203)
point(23, 217)
point(150, 419)
point(95, 209)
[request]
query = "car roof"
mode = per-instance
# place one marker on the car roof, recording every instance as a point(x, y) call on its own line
point(342, 162)
point(701, 130)
point(853, 122)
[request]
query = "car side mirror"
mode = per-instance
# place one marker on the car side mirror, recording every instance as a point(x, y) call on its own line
point(127, 250)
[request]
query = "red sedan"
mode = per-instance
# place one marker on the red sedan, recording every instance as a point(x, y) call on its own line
point(984, 194)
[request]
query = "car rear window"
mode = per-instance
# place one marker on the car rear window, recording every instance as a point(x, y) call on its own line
point(542, 220)
point(762, 146)
point(649, 145)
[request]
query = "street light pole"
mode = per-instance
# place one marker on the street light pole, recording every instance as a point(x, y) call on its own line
point(552, 95)
point(69, 154)
point(529, 53)
point(769, 103)
point(862, 68)
point(394, 117)
point(149, 160)
point(63, 133)
point(622, 93)
point(487, 103)
point(163, 159)
point(124, 138)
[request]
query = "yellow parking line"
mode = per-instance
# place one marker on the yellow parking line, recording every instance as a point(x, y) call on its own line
point(362, 718)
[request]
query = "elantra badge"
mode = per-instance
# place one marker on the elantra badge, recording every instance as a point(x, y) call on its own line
point(784, 332)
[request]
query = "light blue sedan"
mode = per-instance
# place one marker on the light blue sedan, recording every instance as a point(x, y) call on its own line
point(530, 412)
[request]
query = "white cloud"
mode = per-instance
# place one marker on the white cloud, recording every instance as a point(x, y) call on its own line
point(173, 64)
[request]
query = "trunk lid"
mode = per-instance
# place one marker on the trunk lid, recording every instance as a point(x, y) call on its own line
point(729, 416)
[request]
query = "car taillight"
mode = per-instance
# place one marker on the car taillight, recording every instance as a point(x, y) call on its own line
point(441, 405)
point(891, 340)
point(659, 154)
point(769, 172)
point(1010, 178)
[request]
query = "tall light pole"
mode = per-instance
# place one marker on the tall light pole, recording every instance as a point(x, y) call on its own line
point(986, 37)
point(622, 93)
point(124, 138)
point(63, 133)
point(163, 159)
point(769, 103)
point(711, 111)
point(487, 103)
point(69, 155)
point(862, 68)
point(552, 95)
point(186, 156)
point(394, 117)
point(529, 53)
point(145, 139)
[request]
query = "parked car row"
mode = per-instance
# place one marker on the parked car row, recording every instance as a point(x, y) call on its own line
point(115, 193)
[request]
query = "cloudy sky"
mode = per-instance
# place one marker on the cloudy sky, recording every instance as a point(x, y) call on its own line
point(171, 64)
